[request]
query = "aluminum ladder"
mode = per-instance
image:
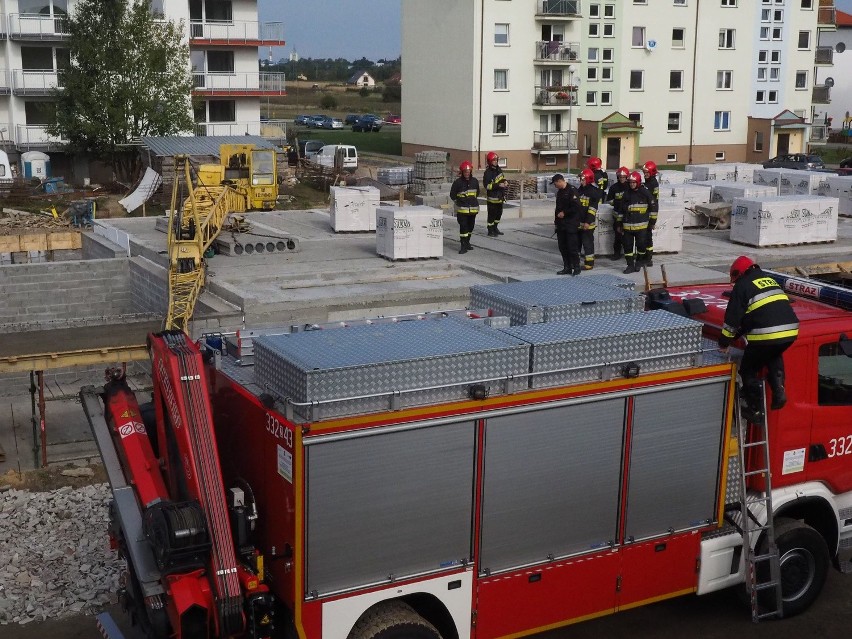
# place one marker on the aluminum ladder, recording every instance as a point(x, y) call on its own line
point(758, 579)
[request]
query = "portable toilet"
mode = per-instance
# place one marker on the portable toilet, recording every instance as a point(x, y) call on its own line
point(36, 164)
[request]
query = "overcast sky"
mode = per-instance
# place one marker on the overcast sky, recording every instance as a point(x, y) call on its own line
point(349, 28)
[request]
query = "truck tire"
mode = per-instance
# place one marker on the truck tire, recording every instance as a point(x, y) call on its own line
point(804, 561)
point(393, 620)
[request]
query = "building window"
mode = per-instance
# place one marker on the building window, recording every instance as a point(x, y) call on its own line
point(220, 61)
point(720, 156)
point(221, 111)
point(801, 80)
point(776, 33)
point(640, 1)
point(549, 160)
point(637, 80)
point(804, 40)
point(761, 74)
point(773, 97)
point(808, 5)
point(676, 80)
point(760, 96)
point(591, 98)
point(778, 15)
point(39, 113)
point(724, 79)
point(729, 3)
point(606, 74)
point(673, 122)
point(680, 3)
point(606, 98)
point(594, 29)
point(775, 57)
point(594, 11)
point(671, 157)
point(608, 55)
point(609, 30)
point(609, 11)
point(677, 38)
point(501, 79)
point(764, 15)
point(635, 116)
point(592, 74)
point(758, 141)
point(774, 74)
point(587, 144)
point(501, 33)
point(764, 33)
point(593, 54)
point(722, 121)
point(727, 38)
point(638, 37)
point(763, 56)
point(501, 124)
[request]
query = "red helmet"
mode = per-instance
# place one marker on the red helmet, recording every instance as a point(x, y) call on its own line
point(587, 177)
point(491, 157)
point(594, 163)
point(650, 167)
point(465, 165)
point(635, 177)
point(740, 266)
point(623, 171)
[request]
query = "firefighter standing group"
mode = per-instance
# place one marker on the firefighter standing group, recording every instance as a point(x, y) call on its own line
point(635, 208)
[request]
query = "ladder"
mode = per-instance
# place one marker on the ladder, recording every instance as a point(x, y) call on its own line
point(762, 564)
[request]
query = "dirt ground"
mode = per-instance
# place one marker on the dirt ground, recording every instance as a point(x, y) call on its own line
point(51, 478)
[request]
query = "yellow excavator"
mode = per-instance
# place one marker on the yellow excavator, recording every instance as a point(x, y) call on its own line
point(246, 178)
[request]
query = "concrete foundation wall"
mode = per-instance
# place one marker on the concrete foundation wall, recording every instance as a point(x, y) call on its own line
point(96, 247)
point(149, 286)
point(62, 292)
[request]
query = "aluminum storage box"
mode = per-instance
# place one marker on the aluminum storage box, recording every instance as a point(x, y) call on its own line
point(595, 348)
point(795, 182)
point(784, 220)
point(321, 365)
point(353, 208)
point(840, 186)
point(409, 232)
point(724, 191)
point(554, 299)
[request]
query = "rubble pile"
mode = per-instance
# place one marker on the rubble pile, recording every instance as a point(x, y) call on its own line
point(56, 556)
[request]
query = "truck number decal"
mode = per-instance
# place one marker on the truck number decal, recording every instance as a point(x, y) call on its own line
point(277, 430)
point(840, 446)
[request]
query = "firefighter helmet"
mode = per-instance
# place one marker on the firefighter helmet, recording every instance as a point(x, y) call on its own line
point(587, 176)
point(740, 266)
point(594, 164)
point(650, 167)
point(465, 166)
point(491, 157)
point(623, 171)
point(635, 177)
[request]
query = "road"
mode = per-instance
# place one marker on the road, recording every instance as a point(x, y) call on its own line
point(716, 616)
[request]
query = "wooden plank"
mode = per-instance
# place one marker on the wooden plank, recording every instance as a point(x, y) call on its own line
point(69, 240)
point(25, 363)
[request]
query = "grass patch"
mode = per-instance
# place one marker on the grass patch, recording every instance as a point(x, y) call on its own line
point(833, 154)
point(387, 141)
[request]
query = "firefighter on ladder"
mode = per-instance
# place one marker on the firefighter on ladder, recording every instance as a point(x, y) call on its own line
point(649, 169)
point(615, 197)
point(590, 197)
point(760, 310)
point(595, 165)
point(637, 203)
point(464, 193)
point(494, 183)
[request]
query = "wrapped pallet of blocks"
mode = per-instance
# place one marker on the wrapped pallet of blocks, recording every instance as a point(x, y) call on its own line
point(840, 186)
point(409, 232)
point(687, 195)
point(784, 220)
point(745, 172)
point(668, 233)
point(795, 182)
point(605, 231)
point(724, 191)
point(668, 176)
point(353, 208)
point(718, 171)
point(772, 177)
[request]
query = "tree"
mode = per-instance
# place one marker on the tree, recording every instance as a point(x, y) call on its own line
point(129, 77)
point(328, 102)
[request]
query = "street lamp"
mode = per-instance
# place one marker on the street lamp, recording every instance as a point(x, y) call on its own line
point(571, 94)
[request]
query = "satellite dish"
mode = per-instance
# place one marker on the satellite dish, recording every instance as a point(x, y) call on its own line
point(651, 45)
point(829, 82)
point(840, 47)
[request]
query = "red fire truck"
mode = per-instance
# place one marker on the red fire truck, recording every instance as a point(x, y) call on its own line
point(491, 481)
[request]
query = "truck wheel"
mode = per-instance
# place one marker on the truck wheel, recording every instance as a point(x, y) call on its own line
point(393, 620)
point(804, 564)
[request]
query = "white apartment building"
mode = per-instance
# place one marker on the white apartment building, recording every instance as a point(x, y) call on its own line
point(547, 83)
point(837, 44)
point(223, 36)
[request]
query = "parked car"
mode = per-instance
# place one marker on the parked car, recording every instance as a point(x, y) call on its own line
point(393, 119)
point(315, 121)
point(351, 119)
point(367, 123)
point(801, 161)
point(846, 163)
point(332, 123)
point(301, 119)
point(325, 156)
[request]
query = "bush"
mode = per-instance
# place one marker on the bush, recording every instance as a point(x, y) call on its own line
point(364, 92)
point(328, 102)
point(392, 94)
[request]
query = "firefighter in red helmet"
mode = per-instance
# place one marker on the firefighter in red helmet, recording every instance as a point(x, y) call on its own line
point(616, 198)
point(649, 169)
point(590, 198)
point(595, 165)
point(760, 311)
point(636, 205)
point(494, 183)
point(464, 193)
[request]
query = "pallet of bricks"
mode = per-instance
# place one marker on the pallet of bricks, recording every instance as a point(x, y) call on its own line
point(430, 171)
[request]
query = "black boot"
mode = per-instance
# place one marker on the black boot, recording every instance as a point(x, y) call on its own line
point(779, 396)
point(566, 270)
point(497, 231)
point(465, 245)
point(752, 404)
point(631, 266)
point(491, 232)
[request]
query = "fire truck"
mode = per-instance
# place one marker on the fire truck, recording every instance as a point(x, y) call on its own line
point(562, 454)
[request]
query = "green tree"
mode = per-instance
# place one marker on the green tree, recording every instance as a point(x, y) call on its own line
point(328, 102)
point(129, 77)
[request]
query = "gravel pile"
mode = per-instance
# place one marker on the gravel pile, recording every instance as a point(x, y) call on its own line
point(55, 559)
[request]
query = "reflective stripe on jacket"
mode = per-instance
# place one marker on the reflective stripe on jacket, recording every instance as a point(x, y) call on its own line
point(464, 194)
point(760, 310)
point(490, 181)
point(636, 205)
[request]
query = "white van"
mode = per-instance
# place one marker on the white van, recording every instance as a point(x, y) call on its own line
point(325, 156)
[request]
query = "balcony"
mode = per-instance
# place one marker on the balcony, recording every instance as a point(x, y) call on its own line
point(24, 26)
point(557, 9)
point(26, 82)
point(270, 129)
point(236, 33)
point(826, 16)
point(5, 82)
point(819, 134)
point(560, 97)
point(824, 55)
point(4, 32)
point(556, 52)
point(554, 141)
point(35, 136)
point(252, 83)
point(821, 95)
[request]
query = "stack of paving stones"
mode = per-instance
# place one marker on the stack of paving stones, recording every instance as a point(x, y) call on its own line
point(56, 560)
point(430, 171)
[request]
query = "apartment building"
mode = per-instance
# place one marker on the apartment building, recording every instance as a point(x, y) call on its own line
point(838, 46)
point(224, 37)
point(547, 83)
